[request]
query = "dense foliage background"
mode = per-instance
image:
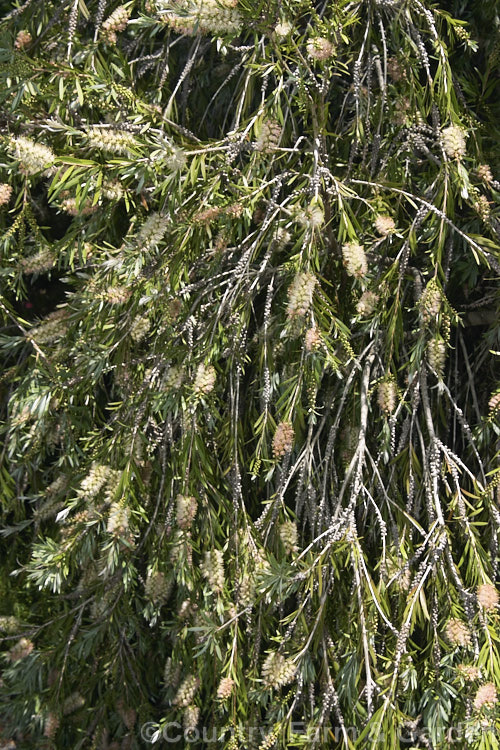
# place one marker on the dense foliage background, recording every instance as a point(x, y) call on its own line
point(250, 389)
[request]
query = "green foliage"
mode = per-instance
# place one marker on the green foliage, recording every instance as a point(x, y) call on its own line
point(250, 414)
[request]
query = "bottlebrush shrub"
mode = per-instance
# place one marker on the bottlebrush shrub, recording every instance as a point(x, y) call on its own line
point(241, 487)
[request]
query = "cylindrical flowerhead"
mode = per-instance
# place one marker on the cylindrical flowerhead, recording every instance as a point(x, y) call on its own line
point(190, 718)
point(355, 262)
point(117, 295)
point(484, 173)
point(269, 137)
point(212, 569)
point(458, 633)
point(21, 649)
point(186, 691)
point(320, 48)
point(95, 480)
point(436, 355)
point(487, 596)
point(139, 328)
point(387, 396)
point(157, 588)
point(51, 726)
point(384, 225)
point(225, 689)
point(312, 339)
point(300, 294)
point(367, 304)
point(116, 22)
point(277, 670)
point(283, 439)
point(72, 703)
point(469, 672)
point(23, 38)
point(486, 696)
point(5, 193)
point(494, 402)
point(453, 141)
point(289, 536)
point(282, 29)
point(430, 302)
point(33, 157)
point(42, 261)
point(205, 379)
point(118, 519)
point(186, 510)
point(152, 231)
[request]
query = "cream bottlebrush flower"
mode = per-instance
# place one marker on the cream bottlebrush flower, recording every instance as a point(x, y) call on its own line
point(283, 439)
point(430, 302)
point(312, 339)
point(355, 261)
point(191, 17)
point(5, 193)
point(21, 649)
point(33, 157)
point(118, 519)
point(205, 379)
point(387, 396)
point(42, 261)
point(52, 328)
point(9, 624)
point(458, 633)
point(115, 23)
point(320, 49)
point(469, 672)
point(494, 402)
point(300, 294)
point(453, 140)
point(487, 596)
point(289, 536)
point(23, 38)
point(212, 569)
point(484, 173)
point(139, 328)
point(485, 696)
point(157, 588)
point(436, 355)
point(186, 510)
point(152, 231)
point(269, 137)
point(225, 689)
point(384, 225)
point(367, 304)
point(72, 703)
point(51, 726)
point(283, 28)
point(95, 480)
point(111, 140)
point(186, 691)
point(174, 378)
point(277, 670)
point(190, 719)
